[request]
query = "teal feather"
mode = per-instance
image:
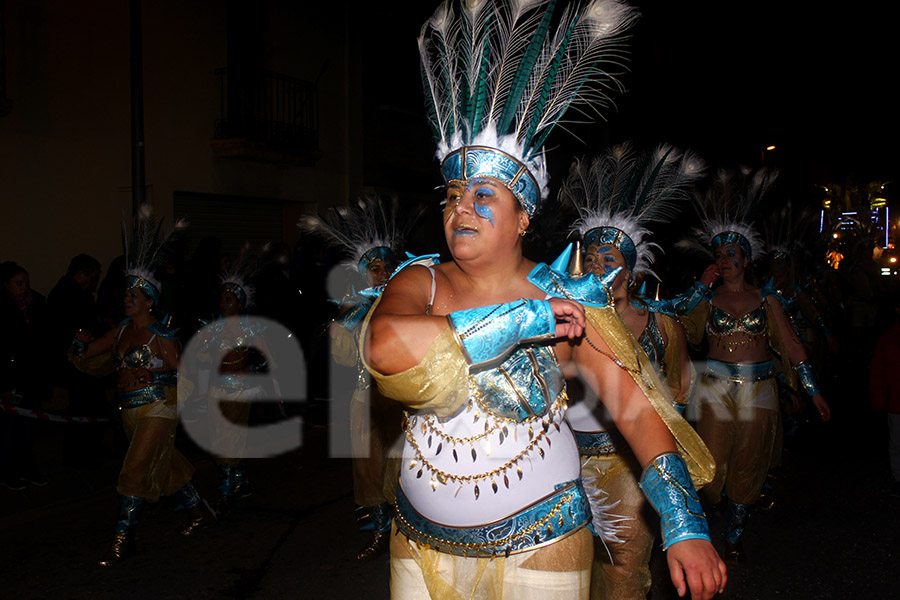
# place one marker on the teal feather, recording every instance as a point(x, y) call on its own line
point(525, 70)
point(478, 102)
point(546, 83)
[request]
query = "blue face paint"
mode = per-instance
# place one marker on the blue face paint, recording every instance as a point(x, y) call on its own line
point(485, 213)
point(482, 192)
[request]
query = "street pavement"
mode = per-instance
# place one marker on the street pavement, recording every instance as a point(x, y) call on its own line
point(834, 531)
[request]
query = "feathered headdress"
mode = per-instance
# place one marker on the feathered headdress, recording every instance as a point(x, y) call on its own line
point(365, 230)
point(238, 277)
point(145, 249)
point(618, 193)
point(727, 209)
point(500, 75)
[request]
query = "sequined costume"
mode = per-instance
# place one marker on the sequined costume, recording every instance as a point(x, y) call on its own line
point(490, 467)
point(231, 394)
point(489, 476)
point(152, 466)
point(611, 475)
point(375, 420)
point(737, 408)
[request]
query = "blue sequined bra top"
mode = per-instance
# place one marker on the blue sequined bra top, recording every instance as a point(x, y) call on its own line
point(723, 323)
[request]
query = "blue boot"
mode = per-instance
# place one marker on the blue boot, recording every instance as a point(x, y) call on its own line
point(200, 515)
point(130, 509)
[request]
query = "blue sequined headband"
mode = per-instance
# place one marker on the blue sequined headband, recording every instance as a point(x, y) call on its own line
point(616, 238)
point(379, 253)
point(732, 237)
point(473, 161)
point(136, 281)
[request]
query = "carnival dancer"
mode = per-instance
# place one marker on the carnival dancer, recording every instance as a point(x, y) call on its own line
point(490, 502)
point(736, 398)
point(230, 395)
point(617, 195)
point(144, 351)
point(369, 233)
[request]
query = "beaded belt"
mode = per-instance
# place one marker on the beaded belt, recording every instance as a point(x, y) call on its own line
point(552, 518)
point(740, 372)
point(599, 443)
point(140, 397)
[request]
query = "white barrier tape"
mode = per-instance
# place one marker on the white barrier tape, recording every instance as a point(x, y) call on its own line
point(25, 412)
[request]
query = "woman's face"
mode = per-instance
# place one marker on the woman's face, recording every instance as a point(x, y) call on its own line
point(480, 217)
point(604, 259)
point(137, 303)
point(730, 260)
point(377, 272)
point(229, 305)
point(18, 285)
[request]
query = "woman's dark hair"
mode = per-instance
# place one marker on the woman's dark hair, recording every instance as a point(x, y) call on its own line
point(10, 269)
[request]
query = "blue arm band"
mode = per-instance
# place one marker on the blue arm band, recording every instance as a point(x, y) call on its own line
point(489, 334)
point(352, 317)
point(807, 379)
point(668, 486)
point(78, 348)
point(165, 377)
point(688, 301)
point(588, 289)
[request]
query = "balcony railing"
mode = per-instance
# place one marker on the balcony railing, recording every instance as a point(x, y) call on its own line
point(267, 115)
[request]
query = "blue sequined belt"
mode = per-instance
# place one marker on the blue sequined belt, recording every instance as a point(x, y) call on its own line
point(599, 443)
point(231, 382)
point(140, 397)
point(740, 372)
point(550, 519)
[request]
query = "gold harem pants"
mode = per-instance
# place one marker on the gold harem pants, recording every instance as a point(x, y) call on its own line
point(738, 420)
point(153, 467)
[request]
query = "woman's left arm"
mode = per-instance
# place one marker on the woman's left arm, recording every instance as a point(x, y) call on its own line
point(798, 357)
point(693, 561)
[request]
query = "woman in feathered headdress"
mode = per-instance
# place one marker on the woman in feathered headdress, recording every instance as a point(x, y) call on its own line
point(490, 501)
point(736, 398)
point(238, 339)
point(369, 233)
point(144, 351)
point(617, 196)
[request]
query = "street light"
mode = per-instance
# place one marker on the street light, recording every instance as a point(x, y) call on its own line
point(763, 153)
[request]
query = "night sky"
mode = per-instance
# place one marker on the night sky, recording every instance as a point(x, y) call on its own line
point(726, 79)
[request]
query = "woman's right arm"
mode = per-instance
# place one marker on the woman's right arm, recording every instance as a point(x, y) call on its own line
point(399, 332)
point(95, 347)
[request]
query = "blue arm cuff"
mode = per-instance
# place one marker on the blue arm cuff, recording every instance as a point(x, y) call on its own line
point(668, 486)
point(807, 379)
point(489, 334)
point(78, 348)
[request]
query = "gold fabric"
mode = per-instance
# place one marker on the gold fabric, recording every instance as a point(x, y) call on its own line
point(344, 346)
point(672, 359)
point(153, 467)
point(439, 383)
point(376, 425)
point(621, 569)
point(628, 352)
point(694, 323)
point(558, 571)
point(738, 420)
